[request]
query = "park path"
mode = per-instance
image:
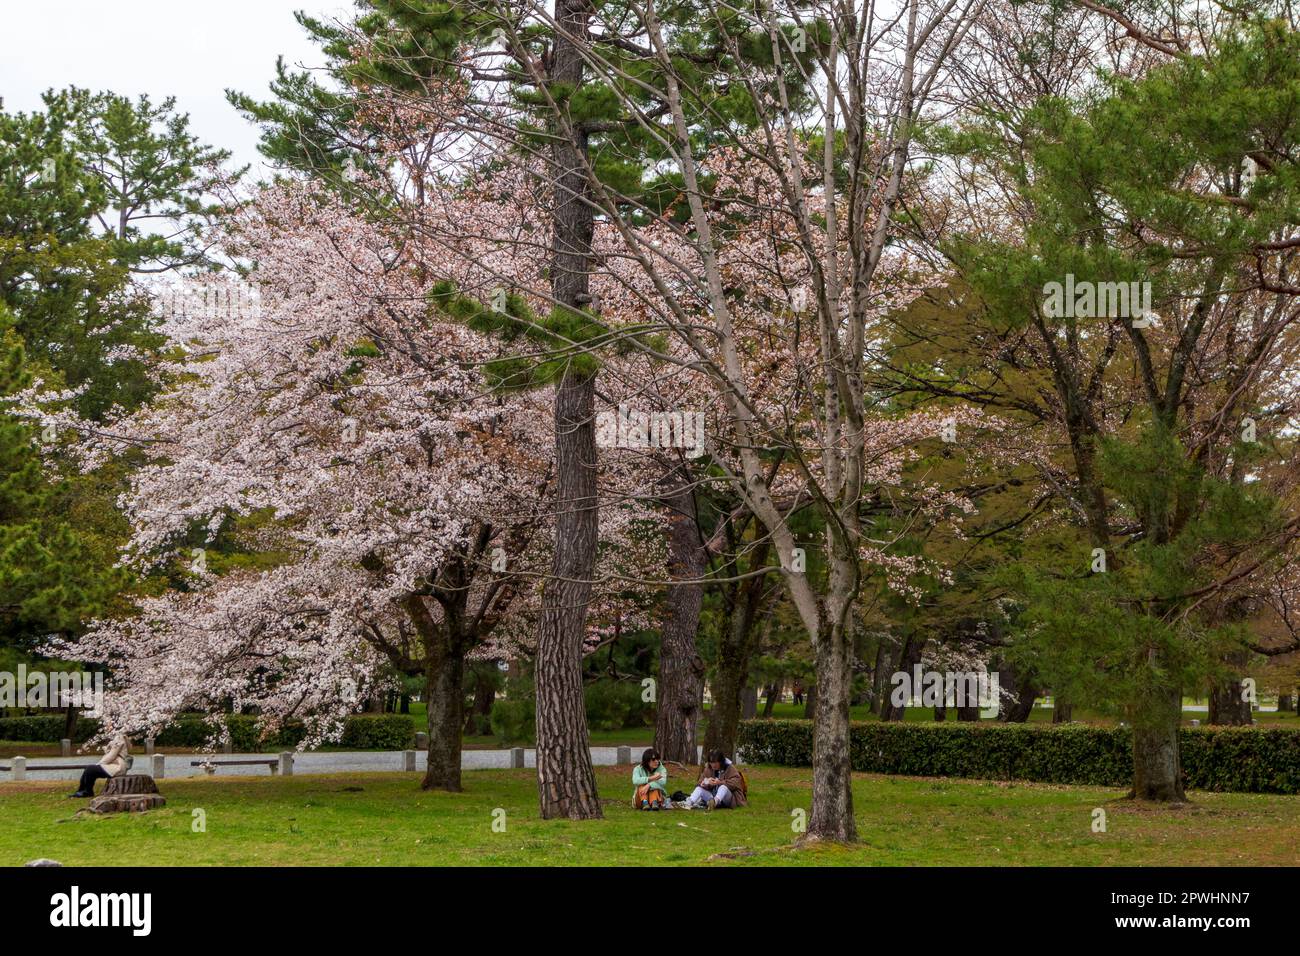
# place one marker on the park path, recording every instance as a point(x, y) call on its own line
point(178, 765)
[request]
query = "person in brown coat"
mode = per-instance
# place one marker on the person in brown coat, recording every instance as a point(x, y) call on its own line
point(722, 786)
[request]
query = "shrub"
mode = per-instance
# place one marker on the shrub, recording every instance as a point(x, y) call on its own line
point(514, 720)
point(46, 728)
point(378, 732)
point(1239, 759)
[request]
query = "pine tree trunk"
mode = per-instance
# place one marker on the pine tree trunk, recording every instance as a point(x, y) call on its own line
point(566, 781)
point(1061, 710)
point(749, 702)
point(1226, 706)
point(1157, 766)
point(810, 702)
point(1227, 703)
point(769, 701)
point(832, 802)
point(681, 670)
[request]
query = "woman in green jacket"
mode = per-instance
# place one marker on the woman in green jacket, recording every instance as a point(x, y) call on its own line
point(650, 777)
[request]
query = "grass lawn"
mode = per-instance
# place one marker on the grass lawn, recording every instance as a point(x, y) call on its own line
point(384, 819)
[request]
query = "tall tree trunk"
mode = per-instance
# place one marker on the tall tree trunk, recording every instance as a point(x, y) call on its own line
point(749, 702)
point(879, 685)
point(566, 781)
point(909, 656)
point(1157, 766)
point(681, 670)
point(832, 802)
point(444, 690)
point(1062, 710)
point(444, 693)
point(810, 702)
point(735, 650)
point(769, 702)
point(1227, 703)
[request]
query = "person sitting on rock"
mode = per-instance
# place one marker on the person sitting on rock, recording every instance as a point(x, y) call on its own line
point(114, 764)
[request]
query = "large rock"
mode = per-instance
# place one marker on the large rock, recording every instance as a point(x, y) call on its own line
point(129, 793)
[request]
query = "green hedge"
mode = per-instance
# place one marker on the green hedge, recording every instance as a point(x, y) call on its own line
point(360, 732)
point(1240, 759)
point(46, 728)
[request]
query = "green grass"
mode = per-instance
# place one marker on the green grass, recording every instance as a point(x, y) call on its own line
point(384, 819)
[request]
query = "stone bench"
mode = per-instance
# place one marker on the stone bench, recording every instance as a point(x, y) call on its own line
point(282, 764)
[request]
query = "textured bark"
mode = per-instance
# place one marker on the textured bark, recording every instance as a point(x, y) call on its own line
point(1227, 707)
point(566, 781)
point(909, 655)
point(770, 698)
point(1061, 710)
point(445, 695)
point(444, 668)
point(1226, 703)
point(1157, 765)
point(810, 702)
point(832, 803)
point(129, 793)
point(681, 669)
point(735, 650)
point(130, 783)
point(749, 702)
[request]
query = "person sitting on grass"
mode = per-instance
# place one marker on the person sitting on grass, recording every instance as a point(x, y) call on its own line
point(650, 777)
point(722, 786)
point(114, 764)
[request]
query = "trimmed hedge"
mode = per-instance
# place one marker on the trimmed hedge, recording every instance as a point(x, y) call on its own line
point(360, 732)
point(46, 728)
point(1238, 759)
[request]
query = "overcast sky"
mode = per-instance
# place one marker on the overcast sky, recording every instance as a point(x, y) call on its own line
point(190, 49)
